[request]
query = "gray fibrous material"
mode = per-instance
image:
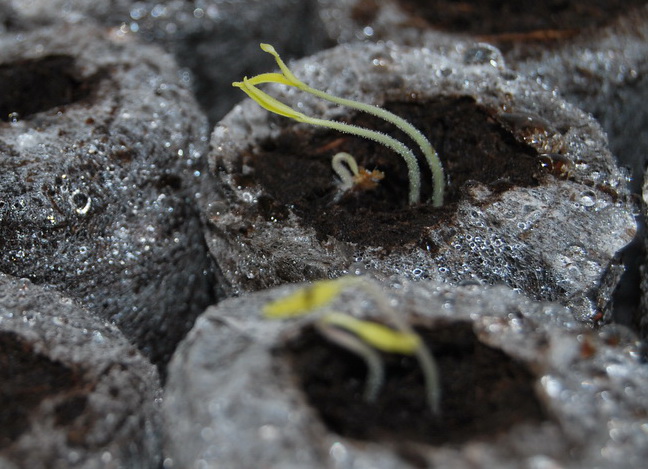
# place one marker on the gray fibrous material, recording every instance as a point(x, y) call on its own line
point(604, 73)
point(101, 148)
point(75, 393)
point(216, 40)
point(523, 384)
point(547, 218)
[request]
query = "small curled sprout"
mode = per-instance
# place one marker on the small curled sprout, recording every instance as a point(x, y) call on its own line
point(354, 176)
point(362, 337)
point(286, 77)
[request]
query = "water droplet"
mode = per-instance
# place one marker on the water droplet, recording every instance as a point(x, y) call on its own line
point(339, 453)
point(483, 54)
point(444, 72)
point(158, 10)
point(588, 199)
point(558, 165)
point(138, 13)
point(80, 202)
point(533, 130)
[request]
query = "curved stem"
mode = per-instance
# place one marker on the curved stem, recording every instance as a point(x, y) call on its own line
point(375, 369)
point(338, 164)
point(431, 156)
point(274, 105)
point(423, 355)
point(413, 172)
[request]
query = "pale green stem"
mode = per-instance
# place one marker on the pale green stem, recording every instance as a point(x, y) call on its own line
point(390, 142)
point(375, 370)
point(426, 360)
point(430, 153)
point(274, 105)
point(423, 355)
point(431, 375)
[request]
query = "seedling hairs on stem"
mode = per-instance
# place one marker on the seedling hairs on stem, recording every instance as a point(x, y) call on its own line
point(248, 85)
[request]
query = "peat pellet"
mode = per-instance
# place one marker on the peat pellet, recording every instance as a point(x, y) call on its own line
point(245, 391)
point(533, 200)
point(101, 151)
point(75, 393)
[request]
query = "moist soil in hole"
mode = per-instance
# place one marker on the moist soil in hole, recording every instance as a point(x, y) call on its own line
point(295, 171)
point(33, 86)
point(484, 391)
point(26, 379)
point(556, 18)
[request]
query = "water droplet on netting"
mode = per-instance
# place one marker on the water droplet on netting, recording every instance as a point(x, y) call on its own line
point(557, 165)
point(138, 13)
point(576, 250)
point(381, 61)
point(80, 202)
point(533, 130)
point(444, 72)
point(588, 199)
point(483, 54)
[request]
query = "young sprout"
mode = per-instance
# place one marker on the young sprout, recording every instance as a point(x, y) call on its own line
point(362, 337)
point(359, 336)
point(348, 341)
point(248, 85)
point(357, 176)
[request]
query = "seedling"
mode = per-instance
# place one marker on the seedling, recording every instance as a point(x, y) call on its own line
point(286, 77)
point(363, 337)
point(353, 176)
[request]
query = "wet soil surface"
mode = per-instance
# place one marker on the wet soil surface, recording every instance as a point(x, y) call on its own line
point(484, 391)
point(554, 18)
point(474, 144)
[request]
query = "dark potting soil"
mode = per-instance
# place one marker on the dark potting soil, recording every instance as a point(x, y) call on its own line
point(550, 19)
point(484, 391)
point(474, 144)
point(33, 86)
point(27, 379)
